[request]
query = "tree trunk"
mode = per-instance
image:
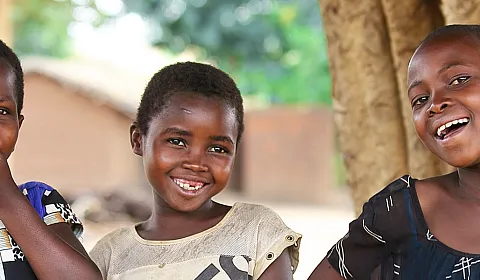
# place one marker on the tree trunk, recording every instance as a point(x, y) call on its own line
point(369, 48)
point(5, 21)
point(408, 23)
point(366, 108)
point(461, 11)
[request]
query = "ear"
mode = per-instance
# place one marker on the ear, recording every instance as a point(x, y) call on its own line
point(136, 140)
point(20, 121)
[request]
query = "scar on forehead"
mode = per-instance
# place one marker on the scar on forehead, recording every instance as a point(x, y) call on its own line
point(186, 111)
point(10, 77)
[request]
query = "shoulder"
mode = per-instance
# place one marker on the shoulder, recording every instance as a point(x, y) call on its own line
point(396, 186)
point(258, 214)
point(395, 194)
point(114, 239)
point(102, 253)
point(265, 224)
point(249, 208)
point(39, 192)
point(50, 205)
point(35, 186)
point(391, 211)
point(272, 235)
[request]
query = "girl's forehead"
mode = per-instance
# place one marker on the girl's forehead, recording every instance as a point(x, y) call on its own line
point(438, 54)
point(190, 103)
point(7, 76)
point(197, 106)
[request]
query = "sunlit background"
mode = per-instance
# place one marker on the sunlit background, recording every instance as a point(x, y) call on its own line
point(87, 62)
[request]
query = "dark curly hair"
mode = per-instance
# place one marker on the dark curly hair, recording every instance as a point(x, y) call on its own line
point(188, 77)
point(10, 60)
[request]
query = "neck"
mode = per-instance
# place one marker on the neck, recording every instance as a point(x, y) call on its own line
point(468, 180)
point(162, 211)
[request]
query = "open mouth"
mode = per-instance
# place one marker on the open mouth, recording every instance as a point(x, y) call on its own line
point(451, 127)
point(189, 185)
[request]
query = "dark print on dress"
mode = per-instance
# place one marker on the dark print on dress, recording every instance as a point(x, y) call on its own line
point(236, 267)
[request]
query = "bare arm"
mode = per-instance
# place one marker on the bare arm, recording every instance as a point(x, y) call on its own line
point(280, 269)
point(52, 251)
point(324, 271)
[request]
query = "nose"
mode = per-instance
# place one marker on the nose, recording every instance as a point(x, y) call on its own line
point(195, 162)
point(439, 102)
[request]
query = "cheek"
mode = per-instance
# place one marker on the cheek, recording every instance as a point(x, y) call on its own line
point(419, 123)
point(224, 168)
point(8, 139)
point(158, 159)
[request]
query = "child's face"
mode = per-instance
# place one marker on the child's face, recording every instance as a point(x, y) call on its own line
point(189, 150)
point(444, 90)
point(9, 120)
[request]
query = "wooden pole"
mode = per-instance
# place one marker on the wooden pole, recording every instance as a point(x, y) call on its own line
point(6, 28)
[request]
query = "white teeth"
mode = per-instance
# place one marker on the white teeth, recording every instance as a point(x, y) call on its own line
point(187, 186)
point(441, 129)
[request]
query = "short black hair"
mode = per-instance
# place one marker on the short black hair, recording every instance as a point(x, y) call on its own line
point(188, 78)
point(454, 30)
point(9, 59)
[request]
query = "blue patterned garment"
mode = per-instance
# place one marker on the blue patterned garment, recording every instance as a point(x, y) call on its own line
point(390, 240)
point(52, 208)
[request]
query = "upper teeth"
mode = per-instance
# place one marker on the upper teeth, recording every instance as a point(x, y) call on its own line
point(188, 185)
point(449, 124)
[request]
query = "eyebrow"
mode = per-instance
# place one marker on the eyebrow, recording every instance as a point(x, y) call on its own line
point(6, 99)
point(222, 139)
point(448, 66)
point(177, 131)
point(443, 69)
point(413, 85)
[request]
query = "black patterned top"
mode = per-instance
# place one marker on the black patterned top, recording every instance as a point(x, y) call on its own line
point(51, 206)
point(390, 240)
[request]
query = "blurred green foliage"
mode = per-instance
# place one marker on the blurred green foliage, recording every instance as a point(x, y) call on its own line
point(40, 27)
point(275, 49)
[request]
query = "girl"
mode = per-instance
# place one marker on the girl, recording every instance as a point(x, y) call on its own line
point(44, 235)
point(427, 229)
point(188, 126)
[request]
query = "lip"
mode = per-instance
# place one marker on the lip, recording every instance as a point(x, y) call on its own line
point(191, 193)
point(191, 178)
point(451, 135)
point(442, 121)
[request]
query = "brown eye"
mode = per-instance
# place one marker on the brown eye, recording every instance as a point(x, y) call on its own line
point(419, 101)
point(460, 80)
point(176, 142)
point(217, 149)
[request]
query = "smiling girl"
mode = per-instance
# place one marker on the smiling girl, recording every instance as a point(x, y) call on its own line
point(188, 126)
point(38, 242)
point(427, 229)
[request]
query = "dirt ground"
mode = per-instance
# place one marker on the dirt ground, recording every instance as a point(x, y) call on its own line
point(321, 227)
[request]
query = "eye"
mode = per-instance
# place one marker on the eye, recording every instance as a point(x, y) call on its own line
point(218, 149)
point(419, 101)
point(176, 142)
point(459, 80)
point(4, 111)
